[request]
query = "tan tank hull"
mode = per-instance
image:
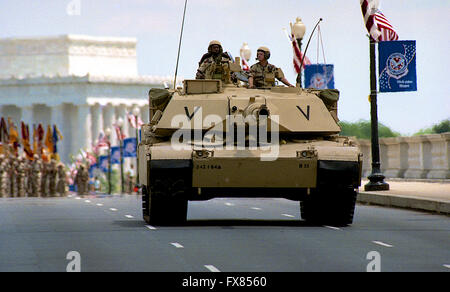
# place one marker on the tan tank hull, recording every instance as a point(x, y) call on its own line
point(187, 153)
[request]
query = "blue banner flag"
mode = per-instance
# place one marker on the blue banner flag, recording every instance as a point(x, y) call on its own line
point(397, 66)
point(129, 147)
point(103, 163)
point(319, 76)
point(115, 155)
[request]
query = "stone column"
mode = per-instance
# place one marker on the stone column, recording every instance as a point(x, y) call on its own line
point(28, 117)
point(97, 121)
point(109, 118)
point(58, 118)
point(121, 111)
point(83, 133)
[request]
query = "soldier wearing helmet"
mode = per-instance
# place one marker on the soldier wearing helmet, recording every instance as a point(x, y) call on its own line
point(263, 74)
point(213, 65)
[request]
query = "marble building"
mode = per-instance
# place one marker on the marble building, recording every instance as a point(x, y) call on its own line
point(82, 84)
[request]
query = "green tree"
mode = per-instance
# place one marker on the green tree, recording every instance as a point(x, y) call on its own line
point(442, 127)
point(362, 130)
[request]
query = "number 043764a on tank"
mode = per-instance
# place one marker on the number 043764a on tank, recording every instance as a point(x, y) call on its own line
point(216, 139)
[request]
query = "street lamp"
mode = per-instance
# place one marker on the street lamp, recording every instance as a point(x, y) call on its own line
point(298, 29)
point(376, 178)
point(245, 52)
point(108, 137)
point(136, 113)
point(120, 125)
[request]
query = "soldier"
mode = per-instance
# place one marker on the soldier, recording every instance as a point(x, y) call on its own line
point(44, 178)
point(2, 172)
point(20, 177)
point(12, 176)
point(52, 172)
point(36, 177)
point(82, 179)
point(214, 64)
point(61, 185)
point(263, 74)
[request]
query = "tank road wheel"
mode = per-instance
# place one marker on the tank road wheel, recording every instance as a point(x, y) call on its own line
point(167, 202)
point(334, 207)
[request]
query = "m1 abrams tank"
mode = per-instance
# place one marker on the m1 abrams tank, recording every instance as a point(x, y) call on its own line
point(215, 138)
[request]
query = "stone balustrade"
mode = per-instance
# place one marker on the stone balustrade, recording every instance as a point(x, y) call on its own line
point(418, 157)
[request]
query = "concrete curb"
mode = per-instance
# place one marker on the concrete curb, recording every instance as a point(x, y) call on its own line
point(406, 202)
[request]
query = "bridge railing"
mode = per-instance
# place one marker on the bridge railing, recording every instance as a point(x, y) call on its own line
point(417, 157)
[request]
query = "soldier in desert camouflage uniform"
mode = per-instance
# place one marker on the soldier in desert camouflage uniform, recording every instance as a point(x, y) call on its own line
point(82, 180)
point(36, 177)
point(52, 172)
point(28, 178)
point(20, 177)
point(211, 65)
point(2, 178)
point(11, 168)
point(61, 184)
point(263, 74)
point(44, 179)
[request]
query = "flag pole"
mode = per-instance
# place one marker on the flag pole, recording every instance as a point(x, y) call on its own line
point(376, 178)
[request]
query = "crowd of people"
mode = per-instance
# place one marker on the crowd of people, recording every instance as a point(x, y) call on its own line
point(21, 177)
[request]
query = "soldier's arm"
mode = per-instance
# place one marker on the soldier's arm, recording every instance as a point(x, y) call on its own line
point(202, 69)
point(280, 76)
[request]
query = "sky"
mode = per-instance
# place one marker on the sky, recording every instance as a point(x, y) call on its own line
point(157, 23)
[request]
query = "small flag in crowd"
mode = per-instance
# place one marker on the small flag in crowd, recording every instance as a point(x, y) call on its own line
point(378, 26)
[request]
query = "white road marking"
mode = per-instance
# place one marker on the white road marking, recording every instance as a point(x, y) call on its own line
point(256, 208)
point(447, 266)
point(77, 198)
point(113, 209)
point(99, 204)
point(212, 268)
point(287, 215)
point(176, 244)
point(332, 227)
point(150, 227)
point(87, 201)
point(129, 216)
point(382, 243)
point(229, 204)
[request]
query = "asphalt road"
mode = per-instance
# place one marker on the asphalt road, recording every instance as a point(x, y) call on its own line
point(227, 235)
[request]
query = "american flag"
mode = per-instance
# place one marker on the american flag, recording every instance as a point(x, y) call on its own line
point(377, 24)
point(245, 65)
point(132, 121)
point(120, 135)
point(298, 56)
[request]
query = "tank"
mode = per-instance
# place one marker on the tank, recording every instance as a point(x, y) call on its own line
point(217, 138)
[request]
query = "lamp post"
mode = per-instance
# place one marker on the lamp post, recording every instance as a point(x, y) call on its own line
point(298, 29)
point(120, 125)
point(136, 113)
point(108, 137)
point(376, 178)
point(245, 52)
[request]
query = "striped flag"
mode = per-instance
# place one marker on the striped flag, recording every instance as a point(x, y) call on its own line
point(377, 24)
point(132, 121)
point(298, 56)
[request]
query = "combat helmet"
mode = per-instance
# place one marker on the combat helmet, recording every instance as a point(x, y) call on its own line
point(266, 52)
point(215, 42)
